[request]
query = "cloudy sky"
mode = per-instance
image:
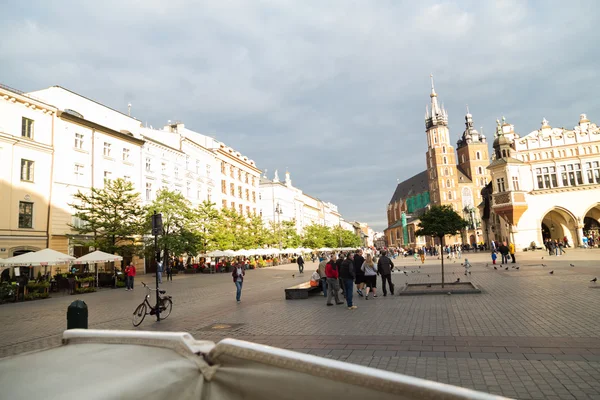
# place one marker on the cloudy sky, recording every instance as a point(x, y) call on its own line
point(333, 90)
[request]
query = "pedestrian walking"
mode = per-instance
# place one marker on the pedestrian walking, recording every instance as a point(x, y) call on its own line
point(300, 262)
point(238, 274)
point(511, 251)
point(347, 275)
point(370, 270)
point(422, 255)
point(384, 268)
point(338, 263)
point(504, 252)
point(169, 272)
point(359, 279)
point(159, 271)
point(333, 284)
point(323, 275)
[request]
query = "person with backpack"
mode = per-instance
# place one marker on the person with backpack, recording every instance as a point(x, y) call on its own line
point(384, 268)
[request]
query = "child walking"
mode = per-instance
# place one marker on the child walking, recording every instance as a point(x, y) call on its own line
point(494, 256)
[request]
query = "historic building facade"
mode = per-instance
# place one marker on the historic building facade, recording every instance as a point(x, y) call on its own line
point(453, 178)
point(545, 184)
point(26, 164)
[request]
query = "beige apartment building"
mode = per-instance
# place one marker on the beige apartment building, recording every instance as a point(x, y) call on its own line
point(26, 141)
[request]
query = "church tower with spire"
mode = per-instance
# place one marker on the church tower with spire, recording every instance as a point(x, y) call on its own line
point(441, 159)
point(473, 155)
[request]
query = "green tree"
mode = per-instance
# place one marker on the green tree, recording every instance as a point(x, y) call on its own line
point(257, 232)
point(317, 236)
point(177, 237)
point(205, 222)
point(345, 238)
point(230, 231)
point(440, 221)
point(112, 218)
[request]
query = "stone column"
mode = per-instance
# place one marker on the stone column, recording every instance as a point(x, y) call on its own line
point(580, 234)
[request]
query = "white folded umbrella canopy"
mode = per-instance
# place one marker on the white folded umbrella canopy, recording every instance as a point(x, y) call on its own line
point(97, 257)
point(42, 257)
point(173, 365)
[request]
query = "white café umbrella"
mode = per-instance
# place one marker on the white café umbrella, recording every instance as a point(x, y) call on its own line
point(96, 257)
point(37, 258)
point(217, 253)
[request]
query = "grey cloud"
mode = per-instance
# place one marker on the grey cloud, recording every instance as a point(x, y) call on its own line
point(335, 91)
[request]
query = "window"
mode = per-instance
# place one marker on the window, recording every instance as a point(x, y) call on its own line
point(254, 211)
point(241, 208)
point(232, 171)
point(571, 174)
point(78, 170)
point(248, 210)
point(448, 183)
point(163, 168)
point(445, 160)
point(223, 187)
point(148, 164)
point(224, 203)
point(207, 170)
point(254, 197)
point(198, 192)
point(444, 149)
point(187, 163)
point(176, 170)
point(27, 128)
point(107, 176)
point(253, 181)
point(209, 194)
point(247, 177)
point(106, 149)
point(233, 206)
point(239, 174)
point(593, 171)
point(25, 215)
point(27, 167)
point(500, 185)
point(515, 183)
point(480, 170)
point(79, 141)
point(148, 191)
point(197, 166)
point(478, 155)
point(449, 195)
point(223, 168)
point(446, 172)
point(232, 189)
point(240, 192)
point(546, 177)
point(247, 194)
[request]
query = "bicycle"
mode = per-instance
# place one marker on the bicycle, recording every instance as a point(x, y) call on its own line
point(165, 307)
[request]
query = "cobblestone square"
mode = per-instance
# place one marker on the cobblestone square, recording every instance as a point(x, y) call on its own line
point(528, 335)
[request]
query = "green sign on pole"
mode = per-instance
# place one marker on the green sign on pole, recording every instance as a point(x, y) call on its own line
point(404, 229)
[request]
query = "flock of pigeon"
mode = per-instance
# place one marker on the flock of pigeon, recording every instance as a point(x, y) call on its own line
point(468, 270)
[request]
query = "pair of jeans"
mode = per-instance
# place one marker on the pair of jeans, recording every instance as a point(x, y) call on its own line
point(504, 258)
point(238, 294)
point(130, 282)
point(301, 268)
point(514, 259)
point(334, 287)
point(324, 286)
point(159, 277)
point(387, 278)
point(348, 285)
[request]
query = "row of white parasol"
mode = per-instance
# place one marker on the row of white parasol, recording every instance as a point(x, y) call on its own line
point(272, 252)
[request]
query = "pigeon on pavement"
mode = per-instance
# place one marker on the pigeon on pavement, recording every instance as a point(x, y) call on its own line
point(495, 268)
point(457, 280)
point(551, 272)
point(571, 265)
point(544, 265)
point(594, 280)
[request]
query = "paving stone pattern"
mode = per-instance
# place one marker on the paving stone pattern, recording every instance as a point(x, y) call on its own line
point(528, 335)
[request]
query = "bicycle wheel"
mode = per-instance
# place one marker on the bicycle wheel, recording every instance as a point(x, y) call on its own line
point(165, 308)
point(139, 314)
